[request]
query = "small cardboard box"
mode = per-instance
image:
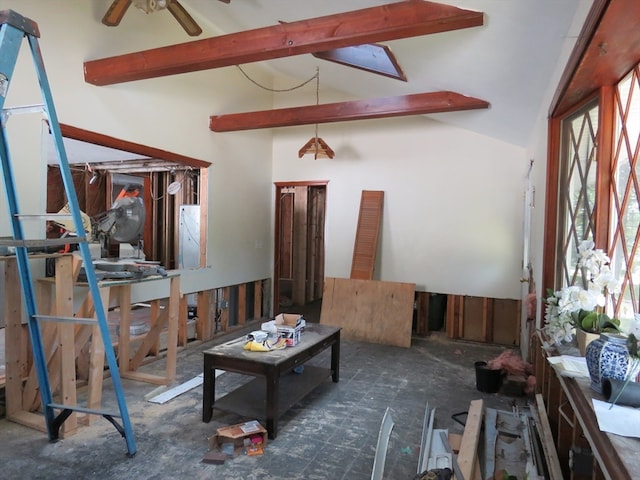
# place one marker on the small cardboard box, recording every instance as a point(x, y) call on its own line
point(236, 434)
point(290, 327)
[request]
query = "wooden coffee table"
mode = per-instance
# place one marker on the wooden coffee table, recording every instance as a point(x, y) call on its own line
point(276, 388)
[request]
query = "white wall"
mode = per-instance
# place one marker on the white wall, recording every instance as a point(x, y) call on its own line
point(537, 150)
point(452, 218)
point(453, 199)
point(170, 113)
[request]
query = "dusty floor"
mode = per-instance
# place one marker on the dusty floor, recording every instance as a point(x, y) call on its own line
point(331, 434)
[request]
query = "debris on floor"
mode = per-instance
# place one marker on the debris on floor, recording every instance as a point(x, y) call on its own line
point(495, 445)
point(519, 379)
point(248, 438)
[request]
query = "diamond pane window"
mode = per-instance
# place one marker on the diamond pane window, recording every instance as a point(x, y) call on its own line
point(625, 191)
point(577, 191)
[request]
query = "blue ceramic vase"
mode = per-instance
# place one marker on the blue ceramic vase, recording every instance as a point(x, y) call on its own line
point(607, 357)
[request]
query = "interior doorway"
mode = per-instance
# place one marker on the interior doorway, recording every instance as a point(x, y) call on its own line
point(299, 243)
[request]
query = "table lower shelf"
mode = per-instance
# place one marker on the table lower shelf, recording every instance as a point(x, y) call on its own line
point(250, 400)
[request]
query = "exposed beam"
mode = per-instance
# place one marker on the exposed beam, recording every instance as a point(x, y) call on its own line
point(370, 25)
point(416, 104)
point(95, 138)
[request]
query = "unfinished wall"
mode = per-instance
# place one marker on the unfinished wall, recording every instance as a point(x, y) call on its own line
point(169, 113)
point(452, 218)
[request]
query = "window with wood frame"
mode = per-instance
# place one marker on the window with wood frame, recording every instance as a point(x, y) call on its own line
point(577, 191)
point(593, 189)
point(585, 171)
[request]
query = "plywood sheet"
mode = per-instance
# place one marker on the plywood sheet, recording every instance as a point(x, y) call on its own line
point(369, 310)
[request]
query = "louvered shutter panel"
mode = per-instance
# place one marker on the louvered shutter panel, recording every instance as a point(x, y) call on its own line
point(366, 244)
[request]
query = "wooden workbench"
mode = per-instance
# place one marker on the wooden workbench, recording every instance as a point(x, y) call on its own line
point(69, 348)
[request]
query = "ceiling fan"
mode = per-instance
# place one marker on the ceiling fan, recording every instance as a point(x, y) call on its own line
point(119, 7)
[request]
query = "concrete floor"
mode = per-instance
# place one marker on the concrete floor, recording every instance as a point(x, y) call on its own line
point(331, 434)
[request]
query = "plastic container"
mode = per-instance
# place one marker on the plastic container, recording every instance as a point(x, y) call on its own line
point(487, 380)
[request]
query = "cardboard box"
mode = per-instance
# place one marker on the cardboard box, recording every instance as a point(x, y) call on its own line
point(290, 327)
point(236, 434)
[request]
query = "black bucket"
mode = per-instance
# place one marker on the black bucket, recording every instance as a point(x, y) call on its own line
point(487, 380)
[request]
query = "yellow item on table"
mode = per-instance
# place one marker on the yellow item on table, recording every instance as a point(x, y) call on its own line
point(265, 346)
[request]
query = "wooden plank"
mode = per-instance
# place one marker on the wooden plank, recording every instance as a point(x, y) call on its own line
point(155, 311)
point(14, 344)
point(387, 107)
point(206, 324)
point(87, 136)
point(369, 310)
point(506, 321)
point(66, 339)
point(300, 204)
point(150, 339)
point(454, 312)
point(367, 233)
point(473, 319)
point(29, 419)
point(172, 334)
point(422, 309)
point(546, 438)
point(369, 25)
point(182, 323)
point(470, 439)
point(95, 374)
point(242, 303)
point(487, 319)
point(257, 299)
point(224, 312)
point(123, 293)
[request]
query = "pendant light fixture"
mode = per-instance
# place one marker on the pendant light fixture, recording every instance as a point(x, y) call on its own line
point(316, 146)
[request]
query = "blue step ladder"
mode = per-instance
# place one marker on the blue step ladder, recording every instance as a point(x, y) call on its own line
point(13, 29)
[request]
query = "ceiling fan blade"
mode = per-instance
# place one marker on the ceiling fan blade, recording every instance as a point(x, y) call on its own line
point(115, 13)
point(226, 1)
point(182, 16)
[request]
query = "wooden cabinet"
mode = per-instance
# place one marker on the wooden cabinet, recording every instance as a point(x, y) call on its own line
point(584, 451)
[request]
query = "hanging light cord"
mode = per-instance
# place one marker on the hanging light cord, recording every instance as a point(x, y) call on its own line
point(317, 101)
point(275, 89)
point(316, 77)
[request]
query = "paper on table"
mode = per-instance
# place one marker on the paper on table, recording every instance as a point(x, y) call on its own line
point(569, 366)
point(624, 421)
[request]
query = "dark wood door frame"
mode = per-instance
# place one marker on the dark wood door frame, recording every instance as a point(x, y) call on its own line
point(280, 186)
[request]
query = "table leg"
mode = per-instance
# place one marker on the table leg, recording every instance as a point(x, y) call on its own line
point(124, 339)
point(273, 387)
point(208, 389)
point(335, 359)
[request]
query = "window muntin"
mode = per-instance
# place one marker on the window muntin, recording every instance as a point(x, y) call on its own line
point(624, 228)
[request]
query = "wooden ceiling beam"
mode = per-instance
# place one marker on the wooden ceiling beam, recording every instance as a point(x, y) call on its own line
point(416, 104)
point(88, 136)
point(370, 25)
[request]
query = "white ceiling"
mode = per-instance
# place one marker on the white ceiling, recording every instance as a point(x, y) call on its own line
point(507, 62)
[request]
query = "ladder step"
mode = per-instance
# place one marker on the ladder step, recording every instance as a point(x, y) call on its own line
point(77, 408)
point(45, 216)
point(52, 318)
point(47, 242)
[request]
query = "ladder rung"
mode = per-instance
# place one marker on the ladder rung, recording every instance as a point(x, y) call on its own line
point(48, 242)
point(53, 318)
point(35, 108)
point(40, 216)
point(77, 408)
